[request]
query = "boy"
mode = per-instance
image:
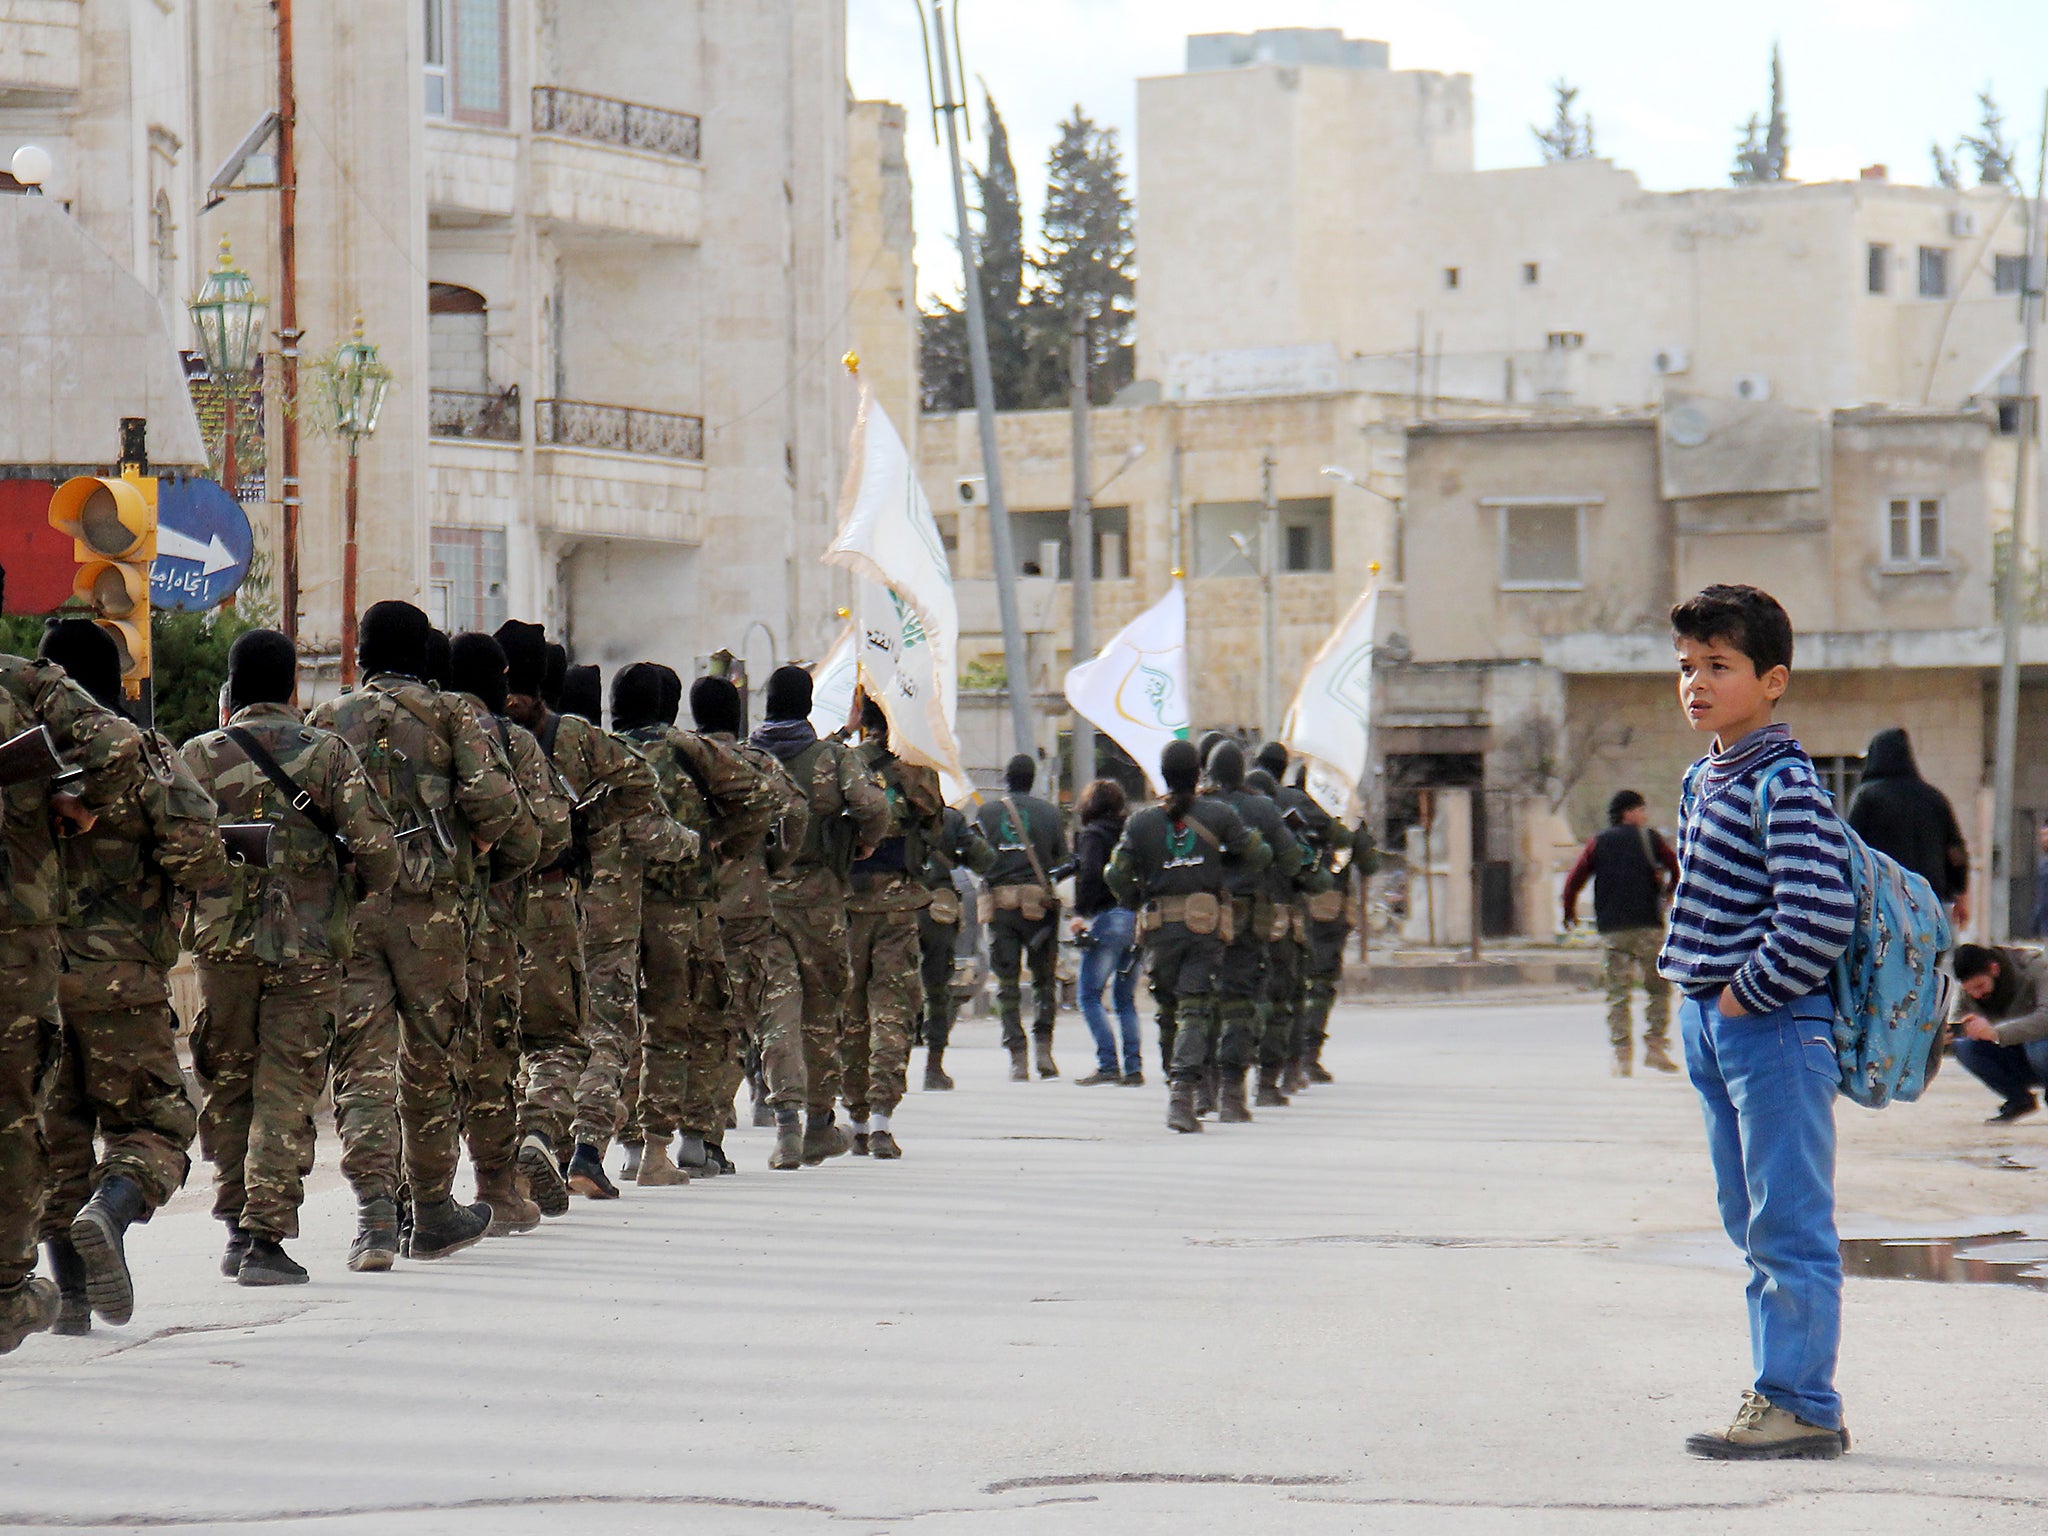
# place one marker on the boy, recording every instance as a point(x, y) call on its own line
point(1756, 924)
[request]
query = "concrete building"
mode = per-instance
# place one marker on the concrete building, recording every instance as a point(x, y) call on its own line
point(603, 247)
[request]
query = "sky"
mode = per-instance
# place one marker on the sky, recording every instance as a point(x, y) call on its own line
point(1668, 82)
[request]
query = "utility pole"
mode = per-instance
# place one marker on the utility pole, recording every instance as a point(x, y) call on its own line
point(288, 317)
point(1016, 663)
point(1081, 535)
point(1269, 598)
point(1998, 917)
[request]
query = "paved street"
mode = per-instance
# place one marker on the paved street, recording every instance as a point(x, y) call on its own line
point(1472, 1287)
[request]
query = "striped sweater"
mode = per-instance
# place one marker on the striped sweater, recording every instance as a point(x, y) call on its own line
point(1768, 921)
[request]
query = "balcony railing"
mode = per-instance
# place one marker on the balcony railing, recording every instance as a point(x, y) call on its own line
point(491, 415)
point(620, 428)
point(607, 120)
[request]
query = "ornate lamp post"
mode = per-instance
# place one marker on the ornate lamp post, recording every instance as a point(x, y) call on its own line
point(351, 397)
point(228, 317)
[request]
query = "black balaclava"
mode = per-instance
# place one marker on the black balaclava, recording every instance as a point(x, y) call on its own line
point(556, 674)
point(1260, 782)
point(1020, 773)
point(89, 654)
point(583, 694)
point(263, 668)
point(789, 694)
point(1273, 758)
point(435, 670)
point(637, 697)
point(476, 664)
point(1209, 743)
point(393, 638)
point(1226, 765)
point(1180, 766)
point(715, 706)
point(526, 656)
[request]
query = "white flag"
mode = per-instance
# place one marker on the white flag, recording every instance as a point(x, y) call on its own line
point(833, 682)
point(1329, 725)
point(906, 621)
point(1136, 689)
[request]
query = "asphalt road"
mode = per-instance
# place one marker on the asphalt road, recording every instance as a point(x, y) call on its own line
point(1473, 1286)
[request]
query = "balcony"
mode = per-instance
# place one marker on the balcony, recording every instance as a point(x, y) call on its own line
point(472, 173)
point(615, 168)
point(39, 47)
point(619, 429)
point(490, 416)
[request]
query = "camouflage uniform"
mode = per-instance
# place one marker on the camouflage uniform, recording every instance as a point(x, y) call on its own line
point(405, 989)
point(270, 946)
point(847, 812)
point(1025, 856)
point(1255, 896)
point(493, 1039)
point(763, 998)
point(608, 1094)
point(109, 750)
point(960, 845)
point(885, 995)
point(1157, 867)
point(118, 1072)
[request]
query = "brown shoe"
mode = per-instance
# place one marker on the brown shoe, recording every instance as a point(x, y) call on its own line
point(1020, 1065)
point(1269, 1095)
point(657, 1167)
point(1041, 1047)
point(1180, 1109)
point(1656, 1053)
point(511, 1210)
point(1765, 1432)
point(1230, 1105)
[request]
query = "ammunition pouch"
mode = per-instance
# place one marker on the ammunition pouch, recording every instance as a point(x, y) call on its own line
point(1031, 902)
point(945, 906)
point(1202, 913)
point(1326, 906)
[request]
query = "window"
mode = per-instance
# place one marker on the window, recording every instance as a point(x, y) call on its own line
point(1541, 548)
point(1450, 277)
point(1839, 776)
point(1227, 537)
point(1913, 530)
point(1877, 268)
point(2008, 273)
point(458, 345)
point(1933, 272)
point(1032, 532)
point(436, 55)
point(1530, 273)
point(1564, 341)
point(466, 589)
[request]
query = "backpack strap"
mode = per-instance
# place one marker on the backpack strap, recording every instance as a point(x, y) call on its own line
point(1024, 836)
point(1760, 812)
point(298, 799)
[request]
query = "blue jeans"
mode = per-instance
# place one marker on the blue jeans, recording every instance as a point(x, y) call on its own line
point(2010, 1071)
point(1767, 1083)
point(1114, 932)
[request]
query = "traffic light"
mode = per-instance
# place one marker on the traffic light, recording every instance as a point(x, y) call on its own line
point(112, 524)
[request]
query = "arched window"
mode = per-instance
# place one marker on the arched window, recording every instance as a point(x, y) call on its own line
point(458, 349)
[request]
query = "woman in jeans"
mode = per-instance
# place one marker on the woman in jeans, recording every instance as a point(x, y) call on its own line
point(1111, 934)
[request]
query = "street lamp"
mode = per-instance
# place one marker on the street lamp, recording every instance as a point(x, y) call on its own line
point(350, 399)
point(228, 317)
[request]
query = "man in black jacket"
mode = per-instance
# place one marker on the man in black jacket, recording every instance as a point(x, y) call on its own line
point(1899, 813)
point(1022, 912)
point(1633, 872)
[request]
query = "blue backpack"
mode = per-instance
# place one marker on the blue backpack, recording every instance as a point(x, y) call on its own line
point(1891, 996)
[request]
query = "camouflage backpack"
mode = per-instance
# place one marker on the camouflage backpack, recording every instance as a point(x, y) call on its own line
point(406, 754)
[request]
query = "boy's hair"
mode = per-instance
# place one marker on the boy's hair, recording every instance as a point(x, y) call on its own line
point(1624, 801)
point(1972, 960)
point(1748, 618)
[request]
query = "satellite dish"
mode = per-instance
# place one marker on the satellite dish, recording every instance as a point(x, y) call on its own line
point(1686, 426)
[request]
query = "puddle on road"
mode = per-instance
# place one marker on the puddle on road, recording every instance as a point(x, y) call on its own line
point(1990, 1258)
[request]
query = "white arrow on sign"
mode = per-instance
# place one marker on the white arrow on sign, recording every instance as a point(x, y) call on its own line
point(179, 546)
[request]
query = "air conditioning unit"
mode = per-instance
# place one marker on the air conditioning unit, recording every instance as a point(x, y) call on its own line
point(1752, 386)
point(1565, 341)
point(1672, 360)
point(1962, 223)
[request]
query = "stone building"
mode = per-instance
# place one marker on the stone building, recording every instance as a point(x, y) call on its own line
point(602, 245)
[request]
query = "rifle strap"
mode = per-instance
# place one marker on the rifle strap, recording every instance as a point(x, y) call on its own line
point(286, 785)
point(1024, 836)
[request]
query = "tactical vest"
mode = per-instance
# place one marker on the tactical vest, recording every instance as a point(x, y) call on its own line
point(828, 840)
point(410, 762)
point(31, 881)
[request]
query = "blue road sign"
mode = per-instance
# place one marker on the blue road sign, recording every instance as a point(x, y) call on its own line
point(203, 546)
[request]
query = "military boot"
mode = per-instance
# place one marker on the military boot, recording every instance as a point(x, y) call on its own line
point(1205, 1091)
point(1269, 1095)
point(1624, 1058)
point(1020, 1064)
point(544, 1181)
point(96, 1232)
point(231, 1256)
point(511, 1211)
point(445, 1227)
point(1313, 1066)
point(26, 1307)
point(1041, 1048)
point(935, 1079)
point(883, 1145)
point(1230, 1105)
point(266, 1263)
point(630, 1166)
point(376, 1246)
point(789, 1140)
point(74, 1310)
point(715, 1151)
point(1292, 1078)
point(1657, 1054)
point(657, 1168)
point(693, 1156)
point(587, 1176)
point(764, 1112)
point(823, 1138)
point(1180, 1108)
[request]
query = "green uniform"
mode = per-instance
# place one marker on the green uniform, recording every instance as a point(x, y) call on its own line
point(117, 1072)
point(270, 945)
point(960, 845)
point(885, 996)
point(1027, 847)
point(405, 989)
point(1256, 897)
point(109, 750)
